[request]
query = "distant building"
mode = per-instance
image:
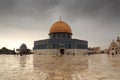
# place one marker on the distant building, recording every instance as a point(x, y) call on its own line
point(114, 47)
point(60, 41)
point(4, 50)
point(23, 49)
point(94, 50)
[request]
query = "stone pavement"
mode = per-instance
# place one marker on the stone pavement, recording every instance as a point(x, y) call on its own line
point(67, 67)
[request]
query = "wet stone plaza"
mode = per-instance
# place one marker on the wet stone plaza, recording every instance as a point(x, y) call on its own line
point(67, 67)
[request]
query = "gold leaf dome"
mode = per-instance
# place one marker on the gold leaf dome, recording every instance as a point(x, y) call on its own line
point(60, 26)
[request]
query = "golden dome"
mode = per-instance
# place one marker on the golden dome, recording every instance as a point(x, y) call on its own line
point(60, 26)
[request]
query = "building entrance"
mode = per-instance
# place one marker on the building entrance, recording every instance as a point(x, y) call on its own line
point(62, 51)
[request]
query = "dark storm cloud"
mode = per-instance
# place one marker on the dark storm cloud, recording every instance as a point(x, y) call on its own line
point(73, 8)
point(6, 6)
point(30, 11)
point(36, 7)
point(20, 12)
point(26, 7)
point(108, 8)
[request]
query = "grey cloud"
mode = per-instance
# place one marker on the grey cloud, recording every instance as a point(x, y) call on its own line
point(25, 12)
point(27, 7)
point(103, 12)
point(93, 8)
point(76, 8)
point(6, 6)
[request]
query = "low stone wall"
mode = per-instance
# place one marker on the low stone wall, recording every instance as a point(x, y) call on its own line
point(57, 51)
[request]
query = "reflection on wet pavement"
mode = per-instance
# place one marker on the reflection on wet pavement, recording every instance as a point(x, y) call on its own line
point(67, 67)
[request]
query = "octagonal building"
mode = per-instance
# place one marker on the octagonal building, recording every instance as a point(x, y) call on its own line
point(60, 41)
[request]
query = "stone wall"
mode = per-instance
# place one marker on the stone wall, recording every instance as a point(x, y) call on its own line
point(57, 51)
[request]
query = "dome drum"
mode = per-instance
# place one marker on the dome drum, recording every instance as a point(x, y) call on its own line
point(60, 35)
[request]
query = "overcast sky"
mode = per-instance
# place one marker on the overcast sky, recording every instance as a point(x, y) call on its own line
point(24, 21)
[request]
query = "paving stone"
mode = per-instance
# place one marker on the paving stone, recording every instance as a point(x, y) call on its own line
point(67, 67)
